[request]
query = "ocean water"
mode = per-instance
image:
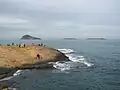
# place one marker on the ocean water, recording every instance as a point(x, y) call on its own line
point(93, 65)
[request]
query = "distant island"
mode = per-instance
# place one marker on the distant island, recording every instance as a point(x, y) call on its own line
point(70, 38)
point(29, 37)
point(96, 39)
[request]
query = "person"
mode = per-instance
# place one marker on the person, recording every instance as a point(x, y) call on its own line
point(41, 44)
point(13, 44)
point(24, 45)
point(38, 56)
point(19, 45)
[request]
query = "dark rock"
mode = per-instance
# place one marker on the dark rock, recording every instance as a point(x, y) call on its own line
point(29, 37)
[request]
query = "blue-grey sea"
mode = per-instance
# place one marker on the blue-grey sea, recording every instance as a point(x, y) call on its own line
point(93, 65)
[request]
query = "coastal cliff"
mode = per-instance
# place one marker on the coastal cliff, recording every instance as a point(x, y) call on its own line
point(13, 58)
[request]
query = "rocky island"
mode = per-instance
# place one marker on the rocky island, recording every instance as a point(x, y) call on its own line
point(96, 39)
point(70, 38)
point(29, 37)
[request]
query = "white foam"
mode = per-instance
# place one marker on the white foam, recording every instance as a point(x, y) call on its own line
point(88, 64)
point(61, 66)
point(19, 72)
point(7, 78)
point(66, 50)
point(80, 59)
point(75, 61)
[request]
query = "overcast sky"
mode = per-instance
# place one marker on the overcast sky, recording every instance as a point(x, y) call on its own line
point(60, 18)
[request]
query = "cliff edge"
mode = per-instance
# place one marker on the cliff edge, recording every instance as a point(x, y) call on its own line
point(14, 58)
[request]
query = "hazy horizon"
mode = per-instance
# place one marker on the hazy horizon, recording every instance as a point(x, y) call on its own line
point(60, 18)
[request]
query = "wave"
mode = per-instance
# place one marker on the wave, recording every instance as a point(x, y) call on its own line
point(20, 72)
point(17, 73)
point(66, 51)
point(76, 61)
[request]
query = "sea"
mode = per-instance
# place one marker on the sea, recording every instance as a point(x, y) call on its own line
point(93, 65)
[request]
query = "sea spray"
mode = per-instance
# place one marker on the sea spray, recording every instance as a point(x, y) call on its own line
point(20, 72)
point(76, 61)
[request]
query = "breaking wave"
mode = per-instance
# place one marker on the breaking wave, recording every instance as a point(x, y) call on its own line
point(66, 51)
point(76, 61)
point(20, 72)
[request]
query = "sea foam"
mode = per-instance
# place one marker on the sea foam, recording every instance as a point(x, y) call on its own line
point(75, 61)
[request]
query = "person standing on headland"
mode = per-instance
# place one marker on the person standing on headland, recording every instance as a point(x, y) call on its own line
point(24, 45)
point(13, 44)
point(19, 45)
point(41, 44)
point(38, 56)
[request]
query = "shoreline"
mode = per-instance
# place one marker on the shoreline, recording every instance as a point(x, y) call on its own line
point(7, 82)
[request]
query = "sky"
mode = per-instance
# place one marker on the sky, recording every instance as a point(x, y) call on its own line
point(60, 18)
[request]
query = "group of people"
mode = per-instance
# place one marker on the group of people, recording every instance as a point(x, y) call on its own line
point(38, 56)
point(24, 45)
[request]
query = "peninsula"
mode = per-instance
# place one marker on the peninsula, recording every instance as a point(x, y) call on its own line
point(29, 37)
point(13, 58)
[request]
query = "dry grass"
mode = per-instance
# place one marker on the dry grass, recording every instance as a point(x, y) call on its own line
point(13, 56)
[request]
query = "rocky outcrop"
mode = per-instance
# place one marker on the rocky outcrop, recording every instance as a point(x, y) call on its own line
point(29, 37)
point(13, 58)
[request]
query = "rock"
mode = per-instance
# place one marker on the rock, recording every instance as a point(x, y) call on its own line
point(10, 89)
point(29, 37)
point(6, 72)
point(2, 86)
point(6, 87)
point(13, 58)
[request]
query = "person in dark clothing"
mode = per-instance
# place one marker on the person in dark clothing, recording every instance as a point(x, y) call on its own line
point(19, 45)
point(41, 44)
point(38, 56)
point(13, 44)
point(24, 45)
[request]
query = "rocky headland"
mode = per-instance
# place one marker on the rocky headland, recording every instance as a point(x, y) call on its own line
point(13, 58)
